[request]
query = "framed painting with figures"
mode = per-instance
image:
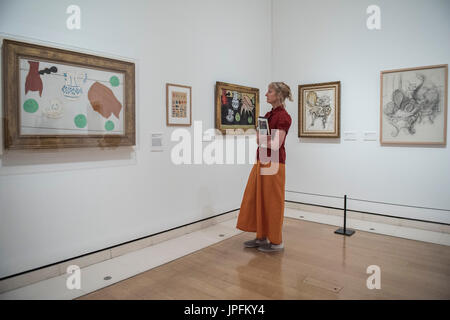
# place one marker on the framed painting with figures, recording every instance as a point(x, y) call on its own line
point(319, 110)
point(55, 98)
point(237, 108)
point(413, 106)
point(178, 105)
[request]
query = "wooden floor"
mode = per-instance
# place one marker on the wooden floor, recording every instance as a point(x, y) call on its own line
point(315, 264)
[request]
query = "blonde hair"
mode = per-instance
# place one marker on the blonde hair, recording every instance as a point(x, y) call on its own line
point(283, 91)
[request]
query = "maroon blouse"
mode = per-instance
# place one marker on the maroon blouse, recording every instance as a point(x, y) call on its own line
point(278, 118)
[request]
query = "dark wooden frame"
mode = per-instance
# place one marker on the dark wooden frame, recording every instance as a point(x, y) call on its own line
point(218, 108)
point(301, 88)
point(167, 105)
point(13, 50)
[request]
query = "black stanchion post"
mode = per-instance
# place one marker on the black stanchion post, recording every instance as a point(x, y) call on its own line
point(344, 230)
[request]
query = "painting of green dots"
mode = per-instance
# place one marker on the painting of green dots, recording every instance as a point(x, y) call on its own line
point(59, 98)
point(65, 99)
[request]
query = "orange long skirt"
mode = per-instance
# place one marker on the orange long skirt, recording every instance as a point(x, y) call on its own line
point(262, 207)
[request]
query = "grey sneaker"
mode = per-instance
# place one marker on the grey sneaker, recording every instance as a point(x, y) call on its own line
point(270, 247)
point(255, 243)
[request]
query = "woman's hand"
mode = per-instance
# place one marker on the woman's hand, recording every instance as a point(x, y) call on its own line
point(263, 140)
point(273, 141)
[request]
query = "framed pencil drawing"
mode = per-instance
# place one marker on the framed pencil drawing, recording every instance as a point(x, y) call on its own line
point(237, 107)
point(56, 98)
point(319, 110)
point(178, 105)
point(413, 106)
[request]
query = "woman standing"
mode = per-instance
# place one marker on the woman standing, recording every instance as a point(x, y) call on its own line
point(262, 207)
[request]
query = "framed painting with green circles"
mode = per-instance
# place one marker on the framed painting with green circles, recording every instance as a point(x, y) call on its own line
point(57, 98)
point(237, 108)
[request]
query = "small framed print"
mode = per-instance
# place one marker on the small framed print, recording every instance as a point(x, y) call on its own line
point(178, 105)
point(319, 110)
point(413, 106)
point(263, 126)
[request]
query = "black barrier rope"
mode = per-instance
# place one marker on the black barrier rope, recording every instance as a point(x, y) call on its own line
point(400, 205)
point(349, 232)
point(363, 200)
point(315, 194)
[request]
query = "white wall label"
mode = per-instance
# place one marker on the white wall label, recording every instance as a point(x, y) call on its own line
point(157, 142)
point(350, 136)
point(370, 136)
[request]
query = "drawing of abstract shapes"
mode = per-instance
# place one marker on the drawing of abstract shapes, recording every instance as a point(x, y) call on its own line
point(103, 101)
point(409, 107)
point(33, 81)
point(30, 106)
point(55, 110)
point(426, 95)
point(401, 112)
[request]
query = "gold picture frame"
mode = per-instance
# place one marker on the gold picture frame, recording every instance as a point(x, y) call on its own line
point(237, 107)
point(413, 106)
point(319, 101)
point(34, 93)
point(178, 105)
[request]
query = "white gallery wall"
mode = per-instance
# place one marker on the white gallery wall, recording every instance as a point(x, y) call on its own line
point(60, 204)
point(327, 40)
